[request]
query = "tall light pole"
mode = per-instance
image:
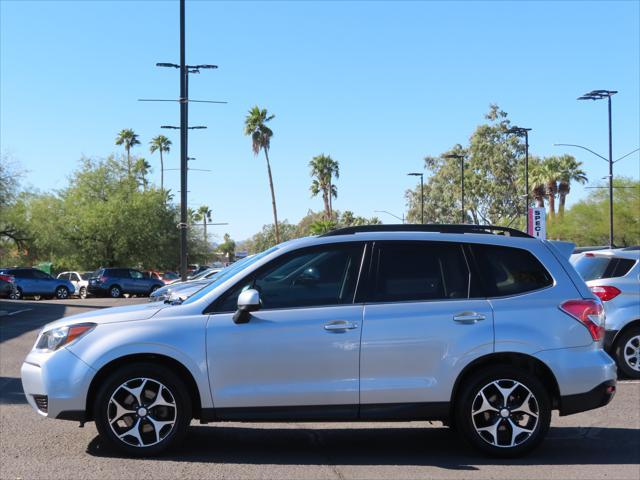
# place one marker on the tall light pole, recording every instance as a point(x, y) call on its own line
point(463, 214)
point(599, 95)
point(421, 175)
point(524, 132)
point(393, 215)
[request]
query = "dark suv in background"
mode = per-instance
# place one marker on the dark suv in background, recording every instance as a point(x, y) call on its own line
point(113, 282)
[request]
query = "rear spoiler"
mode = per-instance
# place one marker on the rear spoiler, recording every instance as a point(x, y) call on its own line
point(565, 248)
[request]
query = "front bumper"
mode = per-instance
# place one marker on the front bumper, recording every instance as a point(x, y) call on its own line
point(59, 380)
point(595, 398)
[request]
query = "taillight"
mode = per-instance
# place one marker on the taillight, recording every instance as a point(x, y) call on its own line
point(588, 312)
point(605, 292)
point(7, 278)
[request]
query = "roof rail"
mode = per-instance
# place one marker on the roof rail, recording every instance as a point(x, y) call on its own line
point(429, 227)
point(631, 248)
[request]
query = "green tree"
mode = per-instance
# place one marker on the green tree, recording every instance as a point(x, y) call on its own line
point(323, 169)
point(160, 144)
point(228, 248)
point(550, 172)
point(322, 226)
point(204, 215)
point(570, 171)
point(129, 139)
point(140, 171)
point(255, 126)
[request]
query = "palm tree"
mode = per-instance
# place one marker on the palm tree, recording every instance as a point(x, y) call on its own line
point(323, 168)
point(203, 214)
point(161, 144)
point(569, 171)
point(128, 138)
point(537, 181)
point(140, 170)
point(550, 173)
point(255, 125)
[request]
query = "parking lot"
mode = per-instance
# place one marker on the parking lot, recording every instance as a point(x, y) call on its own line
point(603, 443)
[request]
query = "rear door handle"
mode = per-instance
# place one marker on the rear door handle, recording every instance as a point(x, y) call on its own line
point(339, 326)
point(468, 317)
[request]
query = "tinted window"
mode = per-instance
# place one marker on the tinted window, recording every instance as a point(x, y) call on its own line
point(311, 277)
point(22, 273)
point(419, 271)
point(40, 274)
point(137, 275)
point(509, 271)
point(593, 267)
point(117, 272)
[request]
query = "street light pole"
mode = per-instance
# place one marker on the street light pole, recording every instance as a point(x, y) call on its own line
point(421, 175)
point(184, 124)
point(520, 131)
point(463, 213)
point(599, 95)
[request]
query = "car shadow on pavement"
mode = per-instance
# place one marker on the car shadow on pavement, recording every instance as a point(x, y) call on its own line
point(19, 317)
point(439, 447)
point(11, 392)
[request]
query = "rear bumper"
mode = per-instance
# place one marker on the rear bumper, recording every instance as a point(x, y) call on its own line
point(595, 398)
point(97, 289)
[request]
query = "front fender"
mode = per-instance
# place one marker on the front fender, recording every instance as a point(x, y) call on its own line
point(182, 339)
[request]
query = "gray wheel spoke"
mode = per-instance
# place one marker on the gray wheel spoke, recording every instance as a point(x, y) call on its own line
point(133, 432)
point(505, 392)
point(631, 353)
point(486, 406)
point(491, 430)
point(136, 391)
point(159, 401)
point(517, 430)
point(120, 411)
point(158, 426)
point(524, 407)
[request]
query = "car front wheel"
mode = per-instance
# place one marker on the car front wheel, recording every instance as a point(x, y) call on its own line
point(83, 292)
point(115, 292)
point(503, 411)
point(627, 352)
point(142, 410)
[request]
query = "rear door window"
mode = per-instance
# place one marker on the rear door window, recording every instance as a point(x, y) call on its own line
point(416, 271)
point(509, 271)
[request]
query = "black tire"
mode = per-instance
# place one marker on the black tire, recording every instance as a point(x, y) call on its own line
point(131, 375)
point(115, 291)
point(628, 339)
point(504, 444)
point(82, 293)
point(62, 293)
point(17, 294)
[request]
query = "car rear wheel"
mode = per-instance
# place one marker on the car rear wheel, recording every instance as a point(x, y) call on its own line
point(503, 411)
point(627, 352)
point(62, 293)
point(16, 294)
point(142, 410)
point(115, 292)
point(83, 292)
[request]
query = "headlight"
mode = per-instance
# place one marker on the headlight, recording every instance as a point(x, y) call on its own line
point(55, 338)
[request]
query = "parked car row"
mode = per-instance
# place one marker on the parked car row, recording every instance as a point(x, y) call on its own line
point(36, 283)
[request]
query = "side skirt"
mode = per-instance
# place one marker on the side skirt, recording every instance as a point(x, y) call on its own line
point(377, 412)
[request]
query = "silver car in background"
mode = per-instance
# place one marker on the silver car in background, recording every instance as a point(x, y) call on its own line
point(483, 328)
point(183, 290)
point(614, 276)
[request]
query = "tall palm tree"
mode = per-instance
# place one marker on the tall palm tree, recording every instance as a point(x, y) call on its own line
point(324, 168)
point(570, 171)
point(550, 173)
point(141, 170)
point(203, 214)
point(128, 138)
point(255, 125)
point(161, 144)
point(537, 181)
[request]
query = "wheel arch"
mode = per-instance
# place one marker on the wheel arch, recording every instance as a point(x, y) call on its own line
point(633, 323)
point(513, 359)
point(171, 363)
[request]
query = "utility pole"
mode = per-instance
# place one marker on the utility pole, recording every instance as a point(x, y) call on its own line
point(463, 213)
point(421, 175)
point(599, 95)
point(524, 132)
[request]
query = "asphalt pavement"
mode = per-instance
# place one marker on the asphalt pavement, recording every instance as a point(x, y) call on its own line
point(603, 443)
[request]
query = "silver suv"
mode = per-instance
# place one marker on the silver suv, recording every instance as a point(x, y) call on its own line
point(614, 276)
point(483, 328)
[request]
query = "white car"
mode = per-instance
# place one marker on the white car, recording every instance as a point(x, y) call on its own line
point(79, 280)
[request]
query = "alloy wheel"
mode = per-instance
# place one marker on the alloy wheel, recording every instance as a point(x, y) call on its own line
point(142, 412)
point(62, 293)
point(505, 413)
point(631, 353)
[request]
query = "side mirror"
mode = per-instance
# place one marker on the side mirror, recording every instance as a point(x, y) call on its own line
point(248, 301)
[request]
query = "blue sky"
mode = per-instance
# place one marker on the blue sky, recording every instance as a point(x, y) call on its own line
point(377, 85)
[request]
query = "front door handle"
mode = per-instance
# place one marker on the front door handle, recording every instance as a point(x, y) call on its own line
point(468, 317)
point(340, 326)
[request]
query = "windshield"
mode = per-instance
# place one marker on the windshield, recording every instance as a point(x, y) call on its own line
point(231, 270)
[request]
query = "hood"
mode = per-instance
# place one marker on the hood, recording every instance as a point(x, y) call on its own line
point(111, 315)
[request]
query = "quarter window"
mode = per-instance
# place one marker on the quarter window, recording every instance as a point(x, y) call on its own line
point(418, 271)
point(509, 271)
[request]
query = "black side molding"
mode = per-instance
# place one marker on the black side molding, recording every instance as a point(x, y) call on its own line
point(595, 398)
